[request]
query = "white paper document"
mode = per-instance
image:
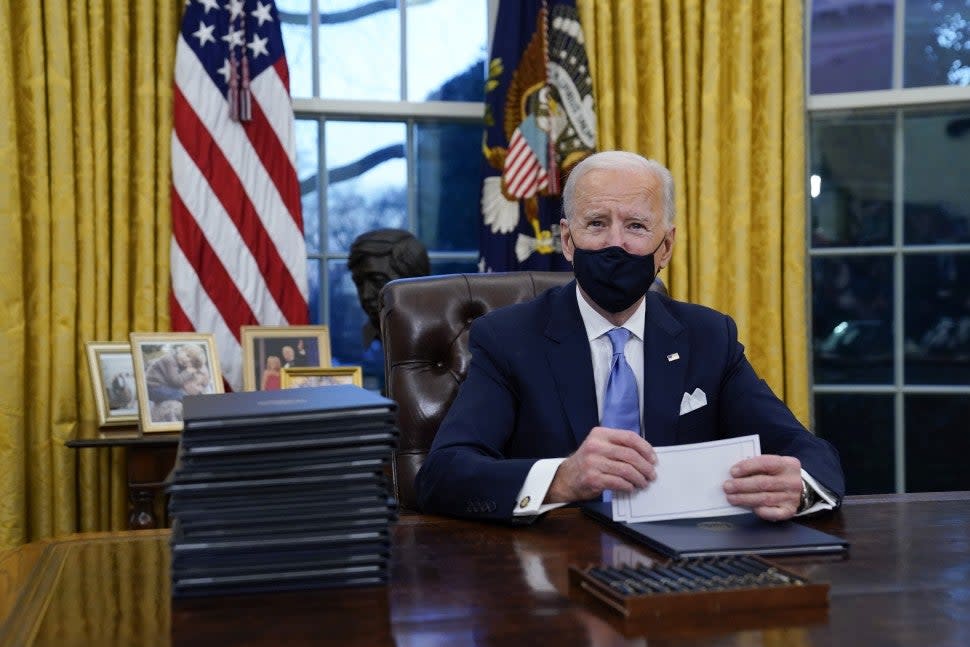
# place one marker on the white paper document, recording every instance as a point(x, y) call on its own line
point(690, 482)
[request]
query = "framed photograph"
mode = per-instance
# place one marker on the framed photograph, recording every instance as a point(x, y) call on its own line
point(301, 378)
point(168, 367)
point(113, 379)
point(267, 350)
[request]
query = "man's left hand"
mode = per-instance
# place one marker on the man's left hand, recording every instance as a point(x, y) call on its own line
point(771, 486)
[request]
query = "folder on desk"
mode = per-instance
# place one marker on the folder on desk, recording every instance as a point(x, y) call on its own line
point(278, 490)
point(743, 534)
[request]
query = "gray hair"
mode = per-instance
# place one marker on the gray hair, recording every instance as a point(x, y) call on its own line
point(622, 160)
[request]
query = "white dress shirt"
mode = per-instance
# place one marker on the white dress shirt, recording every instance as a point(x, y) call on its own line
point(533, 492)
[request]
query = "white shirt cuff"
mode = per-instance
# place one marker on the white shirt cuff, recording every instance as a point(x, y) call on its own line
point(533, 492)
point(826, 500)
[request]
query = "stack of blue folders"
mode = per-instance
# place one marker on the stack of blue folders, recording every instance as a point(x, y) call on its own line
point(280, 490)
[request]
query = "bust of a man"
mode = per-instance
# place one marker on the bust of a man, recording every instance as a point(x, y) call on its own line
point(377, 257)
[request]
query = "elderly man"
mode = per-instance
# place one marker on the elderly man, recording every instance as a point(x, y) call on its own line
point(537, 422)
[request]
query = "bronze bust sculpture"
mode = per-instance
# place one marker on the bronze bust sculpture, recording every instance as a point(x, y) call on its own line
point(377, 257)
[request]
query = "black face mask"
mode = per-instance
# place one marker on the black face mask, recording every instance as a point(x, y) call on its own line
point(613, 277)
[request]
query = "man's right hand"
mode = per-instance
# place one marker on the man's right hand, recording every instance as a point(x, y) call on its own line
point(609, 459)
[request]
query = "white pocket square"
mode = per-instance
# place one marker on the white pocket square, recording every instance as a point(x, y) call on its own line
point(692, 401)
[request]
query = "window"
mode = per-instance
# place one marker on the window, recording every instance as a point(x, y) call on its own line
point(889, 239)
point(388, 100)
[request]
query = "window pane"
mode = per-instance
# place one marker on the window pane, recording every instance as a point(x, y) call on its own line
point(937, 166)
point(852, 45)
point(347, 319)
point(852, 301)
point(298, 44)
point(938, 318)
point(937, 43)
point(367, 176)
point(861, 428)
point(453, 266)
point(313, 283)
point(937, 442)
point(446, 50)
point(307, 133)
point(449, 163)
point(360, 50)
point(852, 180)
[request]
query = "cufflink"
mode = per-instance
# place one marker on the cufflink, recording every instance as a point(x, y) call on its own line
point(525, 501)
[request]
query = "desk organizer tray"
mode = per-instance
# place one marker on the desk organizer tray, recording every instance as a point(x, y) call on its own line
point(688, 587)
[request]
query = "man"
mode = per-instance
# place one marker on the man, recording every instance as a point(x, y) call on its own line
point(294, 358)
point(524, 434)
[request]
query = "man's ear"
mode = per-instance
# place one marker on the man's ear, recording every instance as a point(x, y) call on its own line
point(566, 239)
point(667, 248)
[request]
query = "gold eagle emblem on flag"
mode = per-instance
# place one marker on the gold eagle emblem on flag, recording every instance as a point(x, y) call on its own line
point(550, 125)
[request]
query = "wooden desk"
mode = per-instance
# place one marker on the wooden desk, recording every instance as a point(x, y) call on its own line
point(148, 460)
point(906, 582)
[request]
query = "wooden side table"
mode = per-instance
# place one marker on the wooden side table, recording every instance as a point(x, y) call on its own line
point(148, 458)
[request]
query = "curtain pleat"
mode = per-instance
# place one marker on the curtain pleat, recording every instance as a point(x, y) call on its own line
point(85, 117)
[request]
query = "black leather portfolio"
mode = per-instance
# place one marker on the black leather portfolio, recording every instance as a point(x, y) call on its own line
point(743, 534)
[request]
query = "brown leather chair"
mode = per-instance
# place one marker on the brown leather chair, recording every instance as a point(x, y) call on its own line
point(424, 327)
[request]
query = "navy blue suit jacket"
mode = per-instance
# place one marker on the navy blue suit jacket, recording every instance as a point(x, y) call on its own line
point(529, 394)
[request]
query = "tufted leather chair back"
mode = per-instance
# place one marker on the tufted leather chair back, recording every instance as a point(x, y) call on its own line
point(424, 326)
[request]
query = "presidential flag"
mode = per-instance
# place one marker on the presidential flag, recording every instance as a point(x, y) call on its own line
point(540, 121)
point(238, 256)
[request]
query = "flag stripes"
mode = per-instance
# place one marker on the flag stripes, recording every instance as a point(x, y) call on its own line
point(238, 256)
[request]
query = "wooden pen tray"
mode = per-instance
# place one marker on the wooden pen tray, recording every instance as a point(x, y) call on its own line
point(688, 587)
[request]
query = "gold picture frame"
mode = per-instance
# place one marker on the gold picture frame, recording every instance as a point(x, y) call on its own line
point(265, 352)
point(169, 366)
point(302, 378)
point(113, 380)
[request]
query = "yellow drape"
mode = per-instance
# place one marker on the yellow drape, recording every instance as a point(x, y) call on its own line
point(85, 114)
point(714, 90)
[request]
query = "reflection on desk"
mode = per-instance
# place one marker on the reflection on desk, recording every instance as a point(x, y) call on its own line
point(906, 582)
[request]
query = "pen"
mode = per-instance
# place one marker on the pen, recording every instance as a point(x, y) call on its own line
point(653, 585)
point(697, 581)
point(706, 574)
point(615, 583)
point(671, 583)
point(768, 571)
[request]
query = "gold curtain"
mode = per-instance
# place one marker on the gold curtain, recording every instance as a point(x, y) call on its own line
point(85, 117)
point(714, 90)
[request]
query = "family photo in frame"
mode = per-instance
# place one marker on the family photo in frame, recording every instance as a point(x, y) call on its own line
point(113, 380)
point(269, 350)
point(169, 367)
point(301, 378)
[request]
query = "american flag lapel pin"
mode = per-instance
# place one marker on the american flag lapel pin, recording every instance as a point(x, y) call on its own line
point(673, 357)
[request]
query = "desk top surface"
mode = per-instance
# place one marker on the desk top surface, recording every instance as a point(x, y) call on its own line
point(906, 581)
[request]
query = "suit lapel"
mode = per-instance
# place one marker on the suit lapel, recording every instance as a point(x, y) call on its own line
point(567, 351)
point(665, 359)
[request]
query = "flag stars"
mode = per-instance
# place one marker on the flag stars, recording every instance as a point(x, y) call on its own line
point(258, 46)
point(235, 9)
point(234, 37)
point(225, 71)
point(209, 4)
point(262, 13)
point(204, 34)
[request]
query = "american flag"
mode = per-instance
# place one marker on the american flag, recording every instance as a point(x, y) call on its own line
point(238, 256)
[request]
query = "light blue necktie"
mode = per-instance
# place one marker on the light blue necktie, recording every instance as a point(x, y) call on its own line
point(621, 404)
